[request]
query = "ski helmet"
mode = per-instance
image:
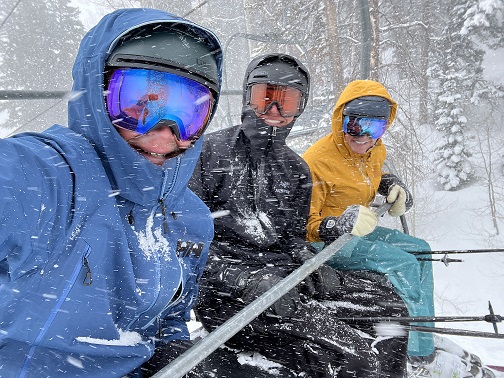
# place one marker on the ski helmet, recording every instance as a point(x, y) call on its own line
point(368, 106)
point(280, 69)
point(185, 49)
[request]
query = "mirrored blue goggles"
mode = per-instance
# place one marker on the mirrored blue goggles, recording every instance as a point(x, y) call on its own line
point(358, 126)
point(141, 99)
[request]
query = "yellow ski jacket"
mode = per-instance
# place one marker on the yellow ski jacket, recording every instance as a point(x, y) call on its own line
point(341, 177)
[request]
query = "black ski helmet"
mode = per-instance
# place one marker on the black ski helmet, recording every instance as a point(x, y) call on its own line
point(368, 106)
point(182, 48)
point(280, 69)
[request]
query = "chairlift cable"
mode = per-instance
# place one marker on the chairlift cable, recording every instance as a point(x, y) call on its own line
point(9, 14)
point(34, 118)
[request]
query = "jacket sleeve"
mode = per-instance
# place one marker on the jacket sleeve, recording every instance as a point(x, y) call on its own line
point(320, 190)
point(35, 187)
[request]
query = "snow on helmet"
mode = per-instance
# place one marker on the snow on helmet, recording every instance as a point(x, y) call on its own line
point(368, 106)
point(191, 51)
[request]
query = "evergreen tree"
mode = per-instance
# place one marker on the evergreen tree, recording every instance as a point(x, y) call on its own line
point(39, 43)
point(459, 71)
point(485, 19)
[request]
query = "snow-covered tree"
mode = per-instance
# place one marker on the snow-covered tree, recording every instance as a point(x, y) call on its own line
point(486, 20)
point(459, 71)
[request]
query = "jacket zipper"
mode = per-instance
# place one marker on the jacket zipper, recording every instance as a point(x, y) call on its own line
point(164, 195)
point(54, 312)
point(161, 201)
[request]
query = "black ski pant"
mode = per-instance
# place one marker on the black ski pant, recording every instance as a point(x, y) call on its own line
point(312, 340)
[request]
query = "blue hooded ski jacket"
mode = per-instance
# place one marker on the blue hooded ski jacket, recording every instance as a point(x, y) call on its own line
point(101, 251)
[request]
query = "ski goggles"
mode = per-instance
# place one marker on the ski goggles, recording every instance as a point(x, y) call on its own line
point(263, 96)
point(141, 99)
point(358, 126)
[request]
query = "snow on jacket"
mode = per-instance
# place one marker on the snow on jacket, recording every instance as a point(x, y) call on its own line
point(258, 187)
point(101, 251)
point(341, 177)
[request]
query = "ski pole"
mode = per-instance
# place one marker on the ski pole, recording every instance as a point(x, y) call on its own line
point(458, 251)
point(422, 319)
point(197, 353)
point(453, 331)
point(490, 318)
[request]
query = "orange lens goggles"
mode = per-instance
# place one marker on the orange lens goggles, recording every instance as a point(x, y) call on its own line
point(288, 99)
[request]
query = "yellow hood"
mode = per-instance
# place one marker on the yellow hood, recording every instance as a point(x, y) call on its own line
point(355, 89)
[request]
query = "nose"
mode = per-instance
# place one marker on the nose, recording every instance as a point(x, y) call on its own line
point(162, 129)
point(275, 109)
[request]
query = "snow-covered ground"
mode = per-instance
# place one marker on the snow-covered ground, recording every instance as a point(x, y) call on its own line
point(460, 220)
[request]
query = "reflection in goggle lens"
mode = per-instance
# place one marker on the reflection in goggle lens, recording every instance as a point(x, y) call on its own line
point(288, 99)
point(357, 126)
point(140, 99)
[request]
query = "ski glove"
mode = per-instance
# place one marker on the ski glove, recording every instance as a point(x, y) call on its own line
point(321, 283)
point(397, 197)
point(259, 284)
point(396, 193)
point(356, 219)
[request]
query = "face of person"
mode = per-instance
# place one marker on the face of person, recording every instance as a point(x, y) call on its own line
point(360, 144)
point(274, 118)
point(156, 145)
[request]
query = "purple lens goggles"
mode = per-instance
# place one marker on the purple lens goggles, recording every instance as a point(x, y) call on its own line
point(358, 126)
point(140, 99)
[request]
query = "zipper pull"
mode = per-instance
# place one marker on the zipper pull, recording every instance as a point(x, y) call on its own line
point(88, 280)
point(163, 211)
point(274, 131)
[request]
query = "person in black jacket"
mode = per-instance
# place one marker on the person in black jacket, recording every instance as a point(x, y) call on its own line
point(259, 192)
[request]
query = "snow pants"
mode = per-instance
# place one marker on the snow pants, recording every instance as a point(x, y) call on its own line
point(312, 340)
point(386, 251)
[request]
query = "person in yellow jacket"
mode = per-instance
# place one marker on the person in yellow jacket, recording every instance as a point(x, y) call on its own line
point(346, 168)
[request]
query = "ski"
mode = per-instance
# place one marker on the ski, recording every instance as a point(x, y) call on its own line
point(197, 353)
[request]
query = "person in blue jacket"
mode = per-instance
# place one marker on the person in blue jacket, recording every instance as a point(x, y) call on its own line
point(102, 244)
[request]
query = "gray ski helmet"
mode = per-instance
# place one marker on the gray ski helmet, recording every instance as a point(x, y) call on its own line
point(280, 69)
point(181, 48)
point(368, 106)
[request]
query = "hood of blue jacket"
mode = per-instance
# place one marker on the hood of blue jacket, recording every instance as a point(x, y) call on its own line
point(130, 174)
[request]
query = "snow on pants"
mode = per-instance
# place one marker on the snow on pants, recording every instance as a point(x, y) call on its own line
point(313, 341)
point(386, 251)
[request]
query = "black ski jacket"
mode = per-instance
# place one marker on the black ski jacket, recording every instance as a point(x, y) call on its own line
point(258, 189)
